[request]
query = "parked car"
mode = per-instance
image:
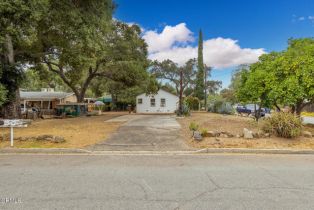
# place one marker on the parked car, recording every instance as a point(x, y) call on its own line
point(249, 109)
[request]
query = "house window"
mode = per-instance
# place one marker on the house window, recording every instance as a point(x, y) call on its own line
point(162, 102)
point(152, 102)
point(140, 101)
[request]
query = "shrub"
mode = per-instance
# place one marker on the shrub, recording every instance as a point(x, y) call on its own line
point(192, 102)
point(221, 107)
point(283, 125)
point(204, 132)
point(185, 110)
point(193, 126)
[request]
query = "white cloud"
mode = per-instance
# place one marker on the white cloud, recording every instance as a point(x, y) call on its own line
point(311, 18)
point(175, 43)
point(170, 36)
point(301, 18)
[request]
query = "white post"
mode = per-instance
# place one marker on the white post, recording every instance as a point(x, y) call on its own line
point(24, 106)
point(11, 136)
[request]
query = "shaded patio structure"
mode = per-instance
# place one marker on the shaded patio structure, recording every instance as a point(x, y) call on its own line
point(45, 101)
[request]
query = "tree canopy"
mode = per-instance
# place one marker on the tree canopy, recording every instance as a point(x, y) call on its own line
point(285, 78)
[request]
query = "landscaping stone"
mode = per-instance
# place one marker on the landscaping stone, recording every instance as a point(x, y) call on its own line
point(227, 134)
point(197, 136)
point(44, 137)
point(224, 135)
point(307, 134)
point(259, 134)
point(266, 135)
point(51, 138)
point(24, 138)
point(58, 139)
point(247, 133)
point(211, 134)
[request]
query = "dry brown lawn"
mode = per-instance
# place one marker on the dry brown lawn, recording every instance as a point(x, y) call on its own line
point(78, 132)
point(235, 124)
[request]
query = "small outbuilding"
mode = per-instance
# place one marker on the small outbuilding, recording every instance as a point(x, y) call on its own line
point(162, 102)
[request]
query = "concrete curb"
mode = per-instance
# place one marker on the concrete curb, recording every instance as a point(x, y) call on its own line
point(43, 151)
point(188, 152)
point(254, 151)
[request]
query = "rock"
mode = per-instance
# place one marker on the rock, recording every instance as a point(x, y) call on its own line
point(266, 135)
point(211, 134)
point(197, 136)
point(47, 116)
point(58, 139)
point(218, 140)
point(224, 135)
point(238, 136)
point(247, 133)
point(257, 134)
point(227, 134)
point(44, 137)
point(23, 138)
point(51, 138)
point(307, 134)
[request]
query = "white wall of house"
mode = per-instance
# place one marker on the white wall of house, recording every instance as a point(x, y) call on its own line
point(165, 102)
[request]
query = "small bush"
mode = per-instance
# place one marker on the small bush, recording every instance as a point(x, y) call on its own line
point(185, 110)
point(282, 125)
point(192, 102)
point(204, 132)
point(193, 126)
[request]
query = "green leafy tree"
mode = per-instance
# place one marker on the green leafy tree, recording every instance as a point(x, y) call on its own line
point(85, 43)
point(294, 73)
point(18, 29)
point(229, 95)
point(213, 86)
point(285, 78)
point(170, 71)
point(200, 80)
point(35, 79)
point(169, 88)
point(257, 83)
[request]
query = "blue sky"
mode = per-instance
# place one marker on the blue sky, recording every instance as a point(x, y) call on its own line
point(246, 28)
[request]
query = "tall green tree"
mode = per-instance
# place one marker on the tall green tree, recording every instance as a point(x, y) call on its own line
point(36, 79)
point(285, 78)
point(294, 72)
point(18, 28)
point(200, 79)
point(85, 43)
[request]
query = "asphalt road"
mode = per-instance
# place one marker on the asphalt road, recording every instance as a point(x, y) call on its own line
point(144, 133)
point(157, 182)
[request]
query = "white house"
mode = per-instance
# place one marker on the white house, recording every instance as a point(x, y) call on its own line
point(162, 102)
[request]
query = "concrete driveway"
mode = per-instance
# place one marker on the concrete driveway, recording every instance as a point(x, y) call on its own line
point(145, 133)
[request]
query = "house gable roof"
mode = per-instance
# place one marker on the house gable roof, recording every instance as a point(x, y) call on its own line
point(143, 94)
point(40, 95)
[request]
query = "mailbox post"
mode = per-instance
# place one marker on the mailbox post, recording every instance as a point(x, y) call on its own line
point(16, 123)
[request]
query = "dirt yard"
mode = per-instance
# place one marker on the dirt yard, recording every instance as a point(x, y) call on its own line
point(235, 124)
point(77, 132)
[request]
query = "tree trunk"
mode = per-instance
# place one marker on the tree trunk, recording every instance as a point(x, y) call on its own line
point(277, 107)
point(9, 49)
point(80, 97)
point(11, 109)
point(298, 108)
